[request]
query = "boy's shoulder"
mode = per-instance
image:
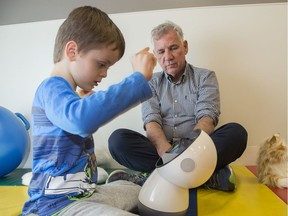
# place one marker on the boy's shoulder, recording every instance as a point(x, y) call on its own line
point(54, 80)
point(53, 84)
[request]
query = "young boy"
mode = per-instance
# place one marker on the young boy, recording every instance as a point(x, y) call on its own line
point(64, 164)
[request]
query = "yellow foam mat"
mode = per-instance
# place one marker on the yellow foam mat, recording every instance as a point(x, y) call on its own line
point(12, 199)
point(251, 199)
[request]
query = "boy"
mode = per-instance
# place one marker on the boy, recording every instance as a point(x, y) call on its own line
point(64, 164)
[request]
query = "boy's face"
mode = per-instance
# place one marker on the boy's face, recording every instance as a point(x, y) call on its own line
point(91, 67)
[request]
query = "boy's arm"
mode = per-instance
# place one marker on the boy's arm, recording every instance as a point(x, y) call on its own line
point(83, 116)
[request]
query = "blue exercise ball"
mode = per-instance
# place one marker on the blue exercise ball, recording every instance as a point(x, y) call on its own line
point(14, 140)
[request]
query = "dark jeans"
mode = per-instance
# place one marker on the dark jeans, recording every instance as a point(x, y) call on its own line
point(134, 151)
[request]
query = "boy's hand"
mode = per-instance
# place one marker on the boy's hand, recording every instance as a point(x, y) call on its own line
point(83, 93)
point(144, 62)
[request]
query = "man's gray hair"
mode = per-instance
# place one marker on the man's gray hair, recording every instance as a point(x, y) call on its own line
point(164, 28)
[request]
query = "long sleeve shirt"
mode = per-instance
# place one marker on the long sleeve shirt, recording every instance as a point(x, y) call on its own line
point(177, 107)
point(64, 164)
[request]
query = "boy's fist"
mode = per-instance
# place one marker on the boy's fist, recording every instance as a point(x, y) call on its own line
point(144, 62)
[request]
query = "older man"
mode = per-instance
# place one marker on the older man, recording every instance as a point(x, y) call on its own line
point(185, 98)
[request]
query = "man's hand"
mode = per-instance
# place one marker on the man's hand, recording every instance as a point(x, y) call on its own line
point(156, 135)
point(206, 124)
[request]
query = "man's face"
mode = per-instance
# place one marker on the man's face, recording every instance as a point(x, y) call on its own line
point(170, 52)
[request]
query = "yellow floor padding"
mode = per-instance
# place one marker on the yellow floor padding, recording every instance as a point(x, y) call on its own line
point(12, 199)
point(251, 198)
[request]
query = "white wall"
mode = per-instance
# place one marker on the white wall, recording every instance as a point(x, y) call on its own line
point(245, 45)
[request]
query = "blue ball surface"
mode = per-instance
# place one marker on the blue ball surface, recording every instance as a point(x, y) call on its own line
point(14, 140)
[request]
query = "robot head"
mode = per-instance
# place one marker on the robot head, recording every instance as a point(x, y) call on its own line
point(191, 162)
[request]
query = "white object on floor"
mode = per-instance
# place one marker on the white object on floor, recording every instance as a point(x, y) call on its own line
point(102, 175)
point(26, 178)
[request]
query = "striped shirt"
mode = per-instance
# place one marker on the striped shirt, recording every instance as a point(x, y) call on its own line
point(64, 162)
point(177, 107)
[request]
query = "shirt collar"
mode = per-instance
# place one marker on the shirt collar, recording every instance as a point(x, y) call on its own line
point(181, 80)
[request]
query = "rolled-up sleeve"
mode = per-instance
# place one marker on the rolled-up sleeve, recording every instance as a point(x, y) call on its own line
point(208, 102)
point(151, 107)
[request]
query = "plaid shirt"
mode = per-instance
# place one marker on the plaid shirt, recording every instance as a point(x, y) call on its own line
point(177, 107)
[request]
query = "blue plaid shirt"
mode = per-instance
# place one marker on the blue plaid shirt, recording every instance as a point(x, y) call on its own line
point(177, 107)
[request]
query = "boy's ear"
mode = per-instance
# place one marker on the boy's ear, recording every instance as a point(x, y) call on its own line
point(71, 50)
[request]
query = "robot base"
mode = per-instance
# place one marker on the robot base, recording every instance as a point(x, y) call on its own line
point(146, 211)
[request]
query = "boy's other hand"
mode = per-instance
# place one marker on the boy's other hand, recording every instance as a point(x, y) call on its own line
point(83, 93)
point(144, 62)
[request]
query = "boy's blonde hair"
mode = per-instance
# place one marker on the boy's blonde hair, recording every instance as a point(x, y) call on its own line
point(90, 28)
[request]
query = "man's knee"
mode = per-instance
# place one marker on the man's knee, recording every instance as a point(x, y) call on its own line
point(118, 142)
point(240, 132)
point(236, 130)
point(114, 141)
point(234, 134)
point(240, 135)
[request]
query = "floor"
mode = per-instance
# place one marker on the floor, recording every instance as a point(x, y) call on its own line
point(251, 197)
point(281, 193)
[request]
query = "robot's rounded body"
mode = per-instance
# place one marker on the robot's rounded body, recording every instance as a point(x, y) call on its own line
point(166, 191)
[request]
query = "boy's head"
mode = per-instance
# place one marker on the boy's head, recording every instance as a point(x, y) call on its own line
point(90, 28)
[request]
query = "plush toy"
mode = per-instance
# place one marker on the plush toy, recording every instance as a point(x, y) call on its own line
point(272, 162)
point(102, 158)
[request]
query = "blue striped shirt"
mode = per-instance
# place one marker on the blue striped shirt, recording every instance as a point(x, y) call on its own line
point(177, 107)
point(64, 162)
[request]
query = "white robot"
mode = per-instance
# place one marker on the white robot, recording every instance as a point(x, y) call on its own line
point(166, 191)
